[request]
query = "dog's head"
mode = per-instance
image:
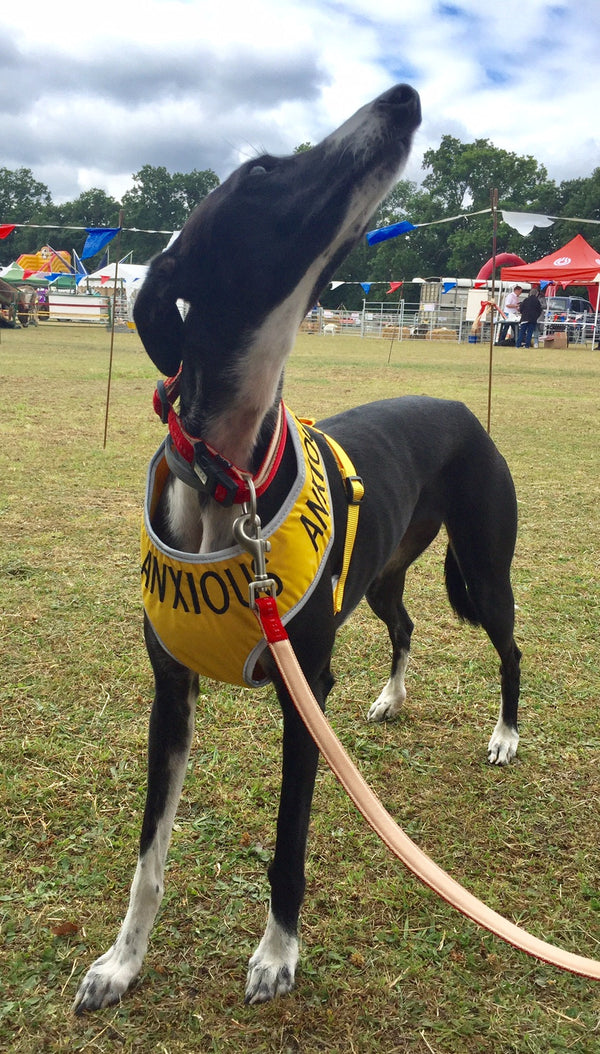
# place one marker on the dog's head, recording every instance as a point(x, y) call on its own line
point(259, 249)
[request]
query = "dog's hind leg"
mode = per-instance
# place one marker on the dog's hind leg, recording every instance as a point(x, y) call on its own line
point(481, 520)
point(389, 608)
point(170, 737)
point(487, 600)
point(384, 597)
point(504, 740)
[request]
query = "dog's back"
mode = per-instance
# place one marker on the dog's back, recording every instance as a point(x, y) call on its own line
point(435, 465)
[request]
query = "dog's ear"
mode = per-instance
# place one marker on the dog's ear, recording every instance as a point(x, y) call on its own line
point(157, 318)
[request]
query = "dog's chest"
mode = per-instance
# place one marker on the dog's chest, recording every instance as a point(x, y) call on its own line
point(197, 600)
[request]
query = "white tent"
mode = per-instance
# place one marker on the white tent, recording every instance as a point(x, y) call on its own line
point(131, 274)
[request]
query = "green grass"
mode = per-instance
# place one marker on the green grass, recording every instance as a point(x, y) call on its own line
point(385, 966)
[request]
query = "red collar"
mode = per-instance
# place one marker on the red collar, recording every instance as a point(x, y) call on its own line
point(213, 473)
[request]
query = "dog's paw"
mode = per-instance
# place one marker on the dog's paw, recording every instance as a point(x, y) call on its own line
point(502, 747)
point(105, 983)
point(267, 980)
point(272, 968)
point(389, 703)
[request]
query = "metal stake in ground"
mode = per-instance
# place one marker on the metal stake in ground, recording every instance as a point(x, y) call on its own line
point(494, 204)
point(112, 327)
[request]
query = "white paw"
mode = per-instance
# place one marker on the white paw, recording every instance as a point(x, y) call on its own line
point(272, 968)
point(106, 981)
point(502, 747)
point(389, 703)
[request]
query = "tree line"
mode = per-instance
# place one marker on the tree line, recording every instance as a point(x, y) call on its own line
point(458, 178)
point(158, 200)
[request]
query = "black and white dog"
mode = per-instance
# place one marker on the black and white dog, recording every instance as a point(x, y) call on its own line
point(250, 262)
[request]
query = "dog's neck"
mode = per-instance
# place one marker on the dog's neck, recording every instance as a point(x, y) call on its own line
point(240, 430)
point(241, 434)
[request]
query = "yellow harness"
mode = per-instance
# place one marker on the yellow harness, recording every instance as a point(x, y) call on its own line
point(198, 603)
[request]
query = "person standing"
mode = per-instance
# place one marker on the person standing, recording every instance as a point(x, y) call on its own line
point(531, 310)
point(511, 310)
point(536, 329)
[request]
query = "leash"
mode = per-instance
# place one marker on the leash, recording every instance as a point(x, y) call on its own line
point(263, 602)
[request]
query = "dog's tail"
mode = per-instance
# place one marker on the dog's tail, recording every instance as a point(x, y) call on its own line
point(458, 593)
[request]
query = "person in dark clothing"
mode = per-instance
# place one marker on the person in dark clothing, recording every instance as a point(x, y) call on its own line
point(531, 310)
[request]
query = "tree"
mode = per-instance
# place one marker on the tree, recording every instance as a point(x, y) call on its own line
point(161, 201)
point(20, 196)
point(461, 176)
point(93, 208)
point(579, 198)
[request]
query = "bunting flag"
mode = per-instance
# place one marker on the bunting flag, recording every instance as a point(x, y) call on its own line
point(97, 238)
point(524, 222)
point(366, 286)
point(447, 286)
point(334, 285)
point(383, 233)
point(393, 287)
point(6, 229)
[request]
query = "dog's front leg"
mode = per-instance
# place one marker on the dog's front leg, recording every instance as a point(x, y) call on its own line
point(272, 968)
point(170, 737)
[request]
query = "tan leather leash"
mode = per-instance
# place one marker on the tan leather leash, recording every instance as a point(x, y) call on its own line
point(247, 531)
point(378, 817)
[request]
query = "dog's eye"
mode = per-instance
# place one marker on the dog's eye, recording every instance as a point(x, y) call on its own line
point(258, 170)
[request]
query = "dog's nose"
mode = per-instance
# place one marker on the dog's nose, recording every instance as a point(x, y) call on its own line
point(405, 99)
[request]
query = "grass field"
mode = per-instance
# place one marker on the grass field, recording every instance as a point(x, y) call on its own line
point(385, 966)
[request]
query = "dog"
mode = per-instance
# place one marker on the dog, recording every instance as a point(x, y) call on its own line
point(250, 261)
point(330, 329)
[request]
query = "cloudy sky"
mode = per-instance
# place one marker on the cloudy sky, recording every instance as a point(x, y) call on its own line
point(91, 92)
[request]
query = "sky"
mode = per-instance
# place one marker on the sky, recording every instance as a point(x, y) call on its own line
point(90, 93)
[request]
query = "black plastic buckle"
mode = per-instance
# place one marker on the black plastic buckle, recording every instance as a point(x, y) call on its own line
point(354, 484)
point(212, 476)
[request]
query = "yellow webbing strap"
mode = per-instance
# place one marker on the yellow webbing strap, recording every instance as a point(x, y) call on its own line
point(355, 491)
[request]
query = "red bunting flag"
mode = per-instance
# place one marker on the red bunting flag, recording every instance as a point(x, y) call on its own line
point(6, 229)
point(393, 287)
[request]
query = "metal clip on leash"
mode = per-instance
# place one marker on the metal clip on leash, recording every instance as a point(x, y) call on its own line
point(247, 533)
